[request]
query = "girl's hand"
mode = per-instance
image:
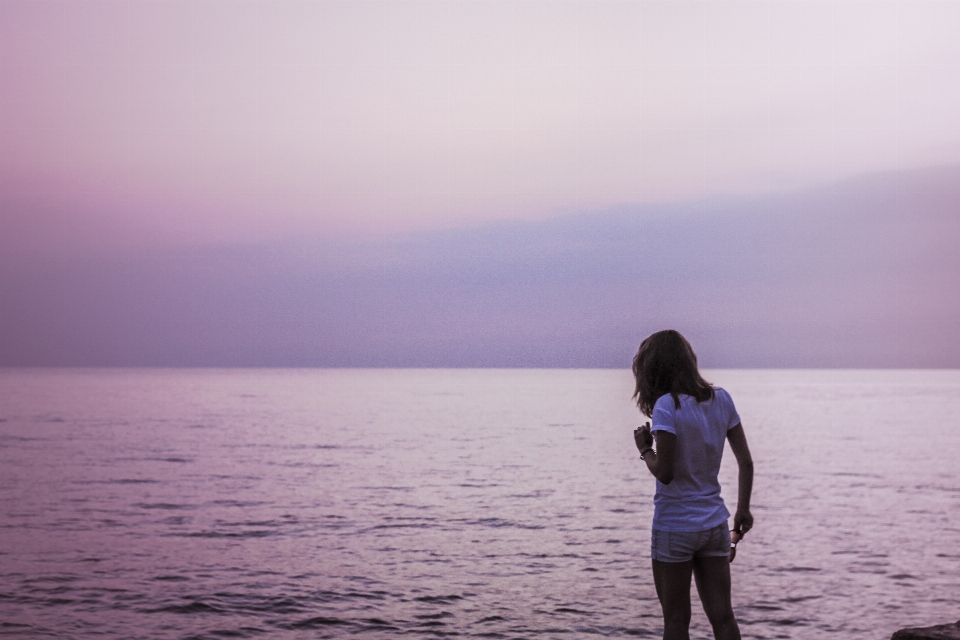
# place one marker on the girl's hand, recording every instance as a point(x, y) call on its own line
point(742, 522)
point(643, 437)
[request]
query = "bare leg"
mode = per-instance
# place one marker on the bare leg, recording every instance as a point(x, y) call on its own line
point(713, 584)
point(673, 588)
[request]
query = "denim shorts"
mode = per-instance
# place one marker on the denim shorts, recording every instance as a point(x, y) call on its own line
point(681, 546)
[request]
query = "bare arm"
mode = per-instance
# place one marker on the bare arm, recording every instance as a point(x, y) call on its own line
point(743, 519)
point(659, 462)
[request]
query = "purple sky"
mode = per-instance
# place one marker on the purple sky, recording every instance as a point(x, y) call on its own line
point(221, 182)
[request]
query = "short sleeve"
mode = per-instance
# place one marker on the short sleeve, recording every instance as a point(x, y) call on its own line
point(664, 415)
point(733, 418)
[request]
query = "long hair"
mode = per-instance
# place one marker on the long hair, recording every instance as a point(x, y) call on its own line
point(666, 363)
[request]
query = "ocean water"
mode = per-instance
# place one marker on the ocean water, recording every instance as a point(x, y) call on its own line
point(439, 503)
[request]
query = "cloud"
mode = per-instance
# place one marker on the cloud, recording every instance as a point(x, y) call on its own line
point(860, 273)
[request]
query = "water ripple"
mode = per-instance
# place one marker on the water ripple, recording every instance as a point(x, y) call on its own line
point(483, 504)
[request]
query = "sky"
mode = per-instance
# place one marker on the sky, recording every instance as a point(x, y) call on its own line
point(315, 183)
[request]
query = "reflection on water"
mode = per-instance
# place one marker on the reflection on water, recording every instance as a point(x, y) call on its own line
point(490, 503)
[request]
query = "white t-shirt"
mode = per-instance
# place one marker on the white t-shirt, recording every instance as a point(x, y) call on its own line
point(692, 502)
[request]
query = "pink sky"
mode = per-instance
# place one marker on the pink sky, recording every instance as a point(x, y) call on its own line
point(131, 123)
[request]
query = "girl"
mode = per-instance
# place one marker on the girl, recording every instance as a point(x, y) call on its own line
point(691, 420)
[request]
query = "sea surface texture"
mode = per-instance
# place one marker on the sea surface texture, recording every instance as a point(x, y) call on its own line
point(455, 503)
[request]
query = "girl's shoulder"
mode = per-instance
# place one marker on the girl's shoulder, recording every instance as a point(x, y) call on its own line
point(722, 395)
point(666, 402)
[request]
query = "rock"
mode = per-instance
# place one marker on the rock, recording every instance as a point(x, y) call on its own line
point(939, 632)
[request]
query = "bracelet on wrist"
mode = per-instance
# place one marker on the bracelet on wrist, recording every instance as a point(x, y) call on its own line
point(645, 452)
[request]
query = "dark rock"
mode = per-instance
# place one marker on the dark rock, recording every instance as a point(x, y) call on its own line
point(939, 632)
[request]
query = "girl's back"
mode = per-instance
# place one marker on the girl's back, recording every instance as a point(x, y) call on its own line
point(692, 502)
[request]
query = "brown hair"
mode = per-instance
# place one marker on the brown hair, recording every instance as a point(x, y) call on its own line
point(666, 363)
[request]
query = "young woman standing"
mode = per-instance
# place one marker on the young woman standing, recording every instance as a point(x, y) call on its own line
point(691, 421)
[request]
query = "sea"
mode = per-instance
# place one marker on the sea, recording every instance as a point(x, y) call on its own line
point(427, 503)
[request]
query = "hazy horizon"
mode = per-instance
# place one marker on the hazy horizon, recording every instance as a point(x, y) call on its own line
point(861, 274)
